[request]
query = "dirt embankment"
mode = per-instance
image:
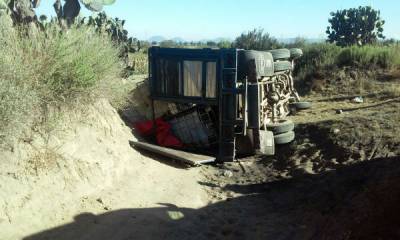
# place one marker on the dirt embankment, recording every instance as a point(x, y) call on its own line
point(86, 166)
point(337, 180)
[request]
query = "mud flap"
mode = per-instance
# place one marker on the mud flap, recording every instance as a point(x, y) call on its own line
point(245, 144)
point(267, 145)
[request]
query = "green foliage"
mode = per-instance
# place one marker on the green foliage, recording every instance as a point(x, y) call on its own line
point(329, 56)
point(224, 44)
point(142, 46)
point(18, 101)
point(20, 11)
point(96, 5)
point(79, 61)
point(3, 6)
point(317, 56)
point(360, 26)
point(39, 69)
point(369, 57)
point(71, 8)
point(168, 44)
point(114, 27)
point(344, 69)
point(256, 40)
point(298, 42)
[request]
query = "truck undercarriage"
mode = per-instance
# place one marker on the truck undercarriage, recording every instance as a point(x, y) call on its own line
point(226, 101)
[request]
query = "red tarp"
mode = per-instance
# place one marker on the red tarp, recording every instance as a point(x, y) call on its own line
point(163, 132)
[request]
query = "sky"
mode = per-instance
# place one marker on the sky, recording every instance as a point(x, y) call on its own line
point(210, 19)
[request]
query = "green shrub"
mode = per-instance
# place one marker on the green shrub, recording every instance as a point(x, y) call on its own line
point(349, 68)
point(318, 55)
point(369, 56)
point(324, 56)
point(75, 63)
point(256, 40)
point(52, 68)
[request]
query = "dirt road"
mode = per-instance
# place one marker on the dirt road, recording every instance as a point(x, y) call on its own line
point(334, 205)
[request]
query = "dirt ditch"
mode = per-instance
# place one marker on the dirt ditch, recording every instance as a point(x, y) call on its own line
point(337, 180)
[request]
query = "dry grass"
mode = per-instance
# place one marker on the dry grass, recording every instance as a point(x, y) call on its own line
point(45, 72)
point(43, 161)
point(139, 62)
point(351, 70)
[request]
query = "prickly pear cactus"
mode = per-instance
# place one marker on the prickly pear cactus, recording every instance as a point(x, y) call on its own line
point(71, 8)
point(3, 7)
point(352, 26)
point(96, 5)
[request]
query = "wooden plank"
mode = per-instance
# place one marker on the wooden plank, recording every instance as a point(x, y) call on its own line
point(186, 157)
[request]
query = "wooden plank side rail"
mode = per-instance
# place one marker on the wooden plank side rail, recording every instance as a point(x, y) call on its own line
point(186, 157)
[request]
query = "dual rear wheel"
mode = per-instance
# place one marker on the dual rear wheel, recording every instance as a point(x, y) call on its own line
point(283, 131)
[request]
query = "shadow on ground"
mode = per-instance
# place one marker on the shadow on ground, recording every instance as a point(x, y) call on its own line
point(353, 202)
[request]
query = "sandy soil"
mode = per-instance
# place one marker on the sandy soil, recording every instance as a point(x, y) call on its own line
point(93, 185)
point(88, 167)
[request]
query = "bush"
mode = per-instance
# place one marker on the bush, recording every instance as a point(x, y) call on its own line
point(328, 56)
point(256, 40)
point(327, 65)
point(51, 68)
point(318, 55)
point(74, 64)
point(369, 56)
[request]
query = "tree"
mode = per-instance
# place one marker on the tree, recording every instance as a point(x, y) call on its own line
point(224, 44)
point(298, 42)
point(168, 44)
point(360, 26)
point(256, 40)
point(211, 44)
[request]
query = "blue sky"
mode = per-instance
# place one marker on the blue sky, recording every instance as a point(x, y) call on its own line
point(208, 19)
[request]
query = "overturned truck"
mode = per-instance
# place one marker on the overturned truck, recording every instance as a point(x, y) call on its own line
point(228, 101)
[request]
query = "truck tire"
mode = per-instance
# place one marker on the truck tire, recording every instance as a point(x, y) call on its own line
point(284, 138)
point(295, 53)
point(282, 66)
point(280, 127)
point(301, 105)
point(279, 54)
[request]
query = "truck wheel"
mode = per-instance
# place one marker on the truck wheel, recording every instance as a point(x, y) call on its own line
point(280, 127)
point(284, 138)
point(301, 105)
point(279, 54)
point(296, 53)
point(282, 66)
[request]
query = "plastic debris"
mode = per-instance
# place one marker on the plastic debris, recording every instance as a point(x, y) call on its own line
point(357, 100)
point(228, 173)
point(336, 131)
